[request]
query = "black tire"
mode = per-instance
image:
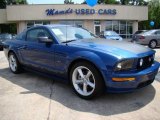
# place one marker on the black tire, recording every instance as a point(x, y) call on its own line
point(99, 82)
point(18, 68)
point(152, 44)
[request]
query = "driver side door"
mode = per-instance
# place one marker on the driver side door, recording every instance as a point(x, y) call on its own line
point(38, 55)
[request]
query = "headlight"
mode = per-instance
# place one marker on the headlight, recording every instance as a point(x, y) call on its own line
point(125, 65)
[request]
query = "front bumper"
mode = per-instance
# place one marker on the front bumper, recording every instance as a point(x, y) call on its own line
point(142, 79)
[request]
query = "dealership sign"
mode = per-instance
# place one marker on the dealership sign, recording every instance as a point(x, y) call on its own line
point(51, 12)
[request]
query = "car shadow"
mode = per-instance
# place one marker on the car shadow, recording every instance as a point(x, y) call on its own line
point(108, 104)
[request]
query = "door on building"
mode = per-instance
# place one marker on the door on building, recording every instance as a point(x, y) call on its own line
point(97, 29)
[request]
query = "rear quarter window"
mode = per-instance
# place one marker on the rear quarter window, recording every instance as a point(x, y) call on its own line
point(20, 36)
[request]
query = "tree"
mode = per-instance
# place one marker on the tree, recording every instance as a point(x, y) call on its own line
point(105, 2)
point(110, 2)
point(68, 2)
point(4, 3)
point(124, 2)
point(138, 2)
point(20, 1)
point(153, 15)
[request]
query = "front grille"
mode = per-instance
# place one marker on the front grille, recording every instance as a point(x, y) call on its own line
point(145, 62)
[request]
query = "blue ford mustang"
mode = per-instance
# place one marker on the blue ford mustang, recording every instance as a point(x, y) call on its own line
point(92, 65)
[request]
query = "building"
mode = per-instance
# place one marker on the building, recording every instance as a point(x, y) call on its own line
point(122, 19)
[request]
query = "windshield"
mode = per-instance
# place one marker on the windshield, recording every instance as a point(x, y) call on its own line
point(110, 33)
point(67, 33)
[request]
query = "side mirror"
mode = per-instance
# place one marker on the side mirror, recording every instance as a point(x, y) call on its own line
point(44, 40)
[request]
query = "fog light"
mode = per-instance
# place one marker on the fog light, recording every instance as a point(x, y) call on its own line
point(122, 79)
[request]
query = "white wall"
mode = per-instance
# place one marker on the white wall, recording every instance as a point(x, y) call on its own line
point(3, 16)
point(38, 12)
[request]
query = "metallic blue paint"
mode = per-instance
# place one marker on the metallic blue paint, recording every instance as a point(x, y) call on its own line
point(55, 59)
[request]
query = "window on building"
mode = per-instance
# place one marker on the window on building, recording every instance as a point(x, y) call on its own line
point(116, 26)
point(108, 25)
point(74, 23)
point(79, 23)
point(34, 23)
point(129, 29)
point(97, 22)
point(30, 24)
point(123, 28)
point(46, 22)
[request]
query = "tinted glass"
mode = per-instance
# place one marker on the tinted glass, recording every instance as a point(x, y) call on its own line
point(33, 35)
point(123, 29)
point(108, 25)
point(21, 36)
point(116, 26)
point(97, 30)
point(157, 32)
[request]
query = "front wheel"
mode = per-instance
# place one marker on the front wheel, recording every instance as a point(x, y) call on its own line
point(14, 64)
point(86, 80)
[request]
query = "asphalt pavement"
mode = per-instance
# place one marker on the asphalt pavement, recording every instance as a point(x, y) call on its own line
point(29, 96)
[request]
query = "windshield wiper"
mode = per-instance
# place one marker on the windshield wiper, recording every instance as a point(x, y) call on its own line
point(68, 41)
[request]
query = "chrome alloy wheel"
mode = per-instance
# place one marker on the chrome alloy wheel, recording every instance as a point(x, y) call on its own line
point(12, 63)
point(153, 44)
point(83, 81)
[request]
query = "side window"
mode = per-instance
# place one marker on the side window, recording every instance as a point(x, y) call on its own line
point(33, 35)
point(157, 32)
point(21, 36)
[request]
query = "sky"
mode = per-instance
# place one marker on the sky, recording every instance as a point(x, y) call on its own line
point(51, 1)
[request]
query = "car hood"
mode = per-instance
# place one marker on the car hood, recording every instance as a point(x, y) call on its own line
point(120, 49)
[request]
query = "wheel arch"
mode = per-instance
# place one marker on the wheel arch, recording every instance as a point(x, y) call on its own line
point(153, 40)
point(12, 51)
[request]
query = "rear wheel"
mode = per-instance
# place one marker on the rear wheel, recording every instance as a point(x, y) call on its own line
point(14, 64)
point(152, 44)
point(86, 80)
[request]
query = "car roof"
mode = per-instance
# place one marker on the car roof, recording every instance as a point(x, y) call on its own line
point(52, 25)
point(47, 26)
